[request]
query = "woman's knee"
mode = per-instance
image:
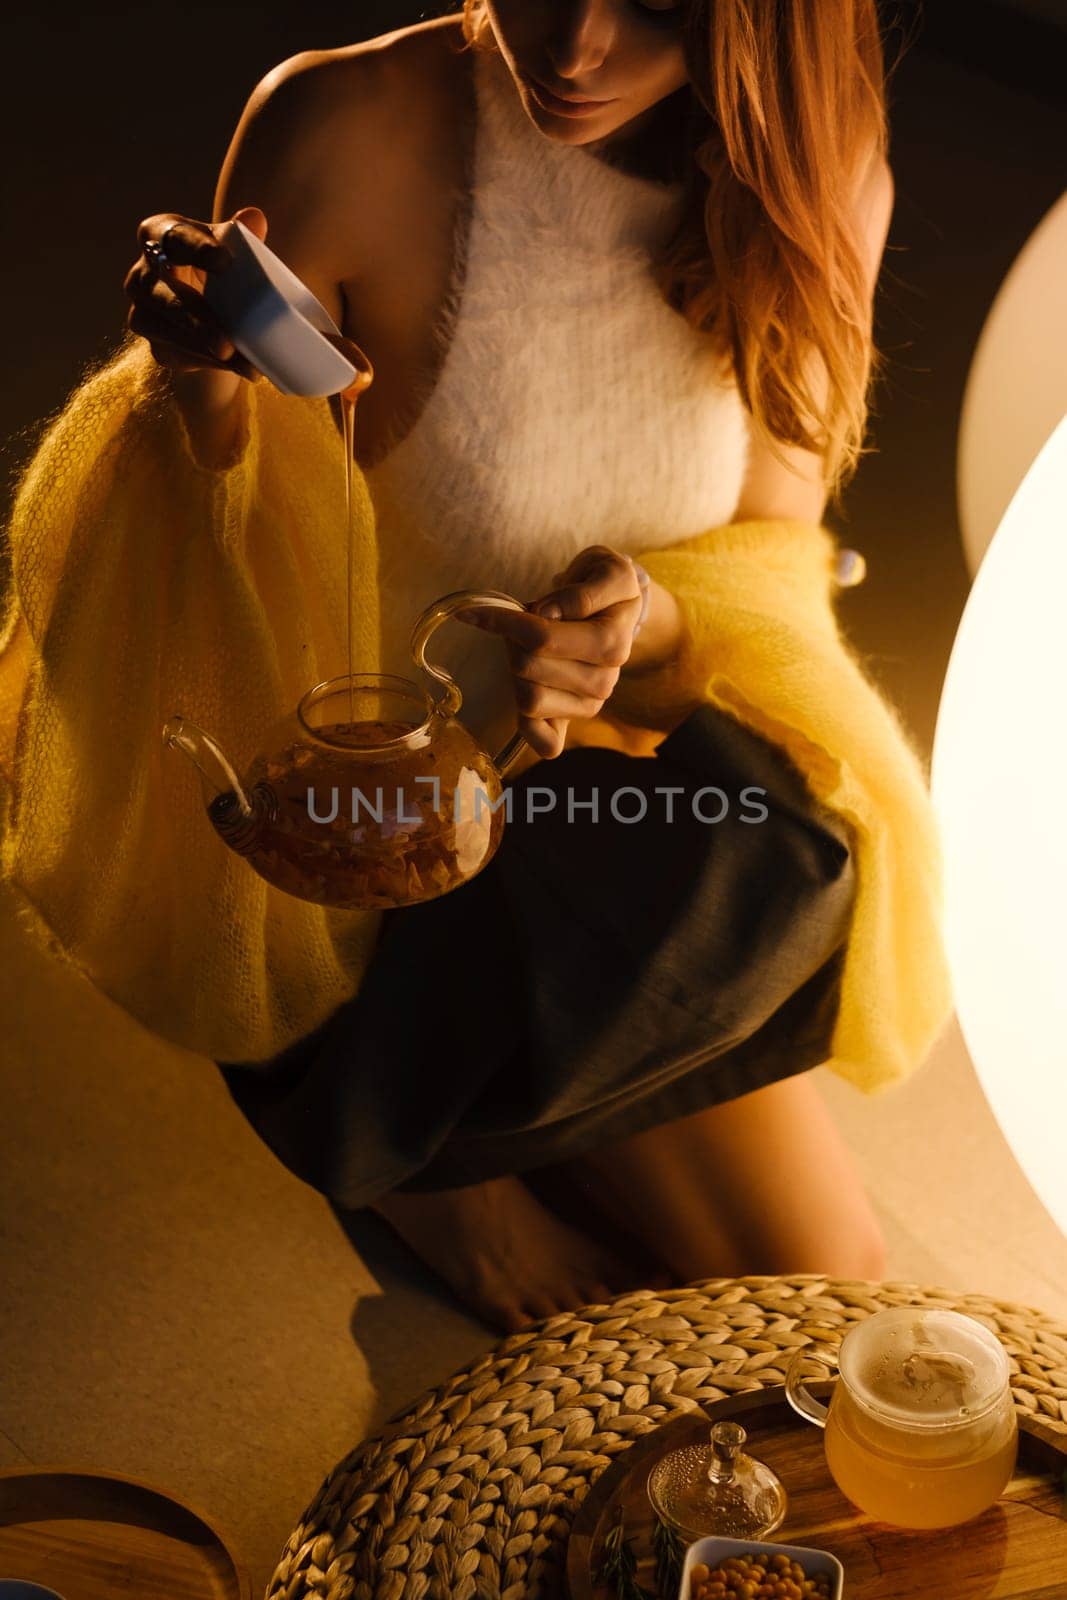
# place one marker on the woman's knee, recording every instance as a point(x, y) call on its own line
point(781, 1193)
point(842, 1239)
point(850, 1249)
point(853, 1249)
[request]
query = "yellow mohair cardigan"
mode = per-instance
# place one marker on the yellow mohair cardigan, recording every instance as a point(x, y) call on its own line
point(145, 583)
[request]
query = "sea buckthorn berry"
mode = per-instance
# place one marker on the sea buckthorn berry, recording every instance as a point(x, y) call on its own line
point(757, 1577)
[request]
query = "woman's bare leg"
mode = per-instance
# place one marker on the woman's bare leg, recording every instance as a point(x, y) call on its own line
point(761, 1184)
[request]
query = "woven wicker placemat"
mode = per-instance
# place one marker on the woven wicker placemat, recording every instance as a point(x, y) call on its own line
point(469, 1493)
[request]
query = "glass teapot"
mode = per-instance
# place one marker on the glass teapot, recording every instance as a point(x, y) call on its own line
point(371, 794)
point(921, 1429)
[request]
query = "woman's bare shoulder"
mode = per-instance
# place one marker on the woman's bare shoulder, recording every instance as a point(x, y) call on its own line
point(329, 134)
point(393, 85)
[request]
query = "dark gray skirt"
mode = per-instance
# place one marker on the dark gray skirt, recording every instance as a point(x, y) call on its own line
point(599, 977)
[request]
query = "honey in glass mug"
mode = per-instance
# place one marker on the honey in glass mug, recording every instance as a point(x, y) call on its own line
point(921, 1429)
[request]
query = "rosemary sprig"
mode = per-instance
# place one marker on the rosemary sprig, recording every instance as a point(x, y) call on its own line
point(618, 1566)
point(669, 1547)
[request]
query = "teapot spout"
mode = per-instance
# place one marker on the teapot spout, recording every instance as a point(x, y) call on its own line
point(217, 777)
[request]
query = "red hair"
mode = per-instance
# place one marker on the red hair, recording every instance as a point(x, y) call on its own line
point(788, 111)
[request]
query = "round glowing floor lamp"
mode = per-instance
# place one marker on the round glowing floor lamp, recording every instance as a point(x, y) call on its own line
point(998, 773)
point(998, 781)
point(1017, 385)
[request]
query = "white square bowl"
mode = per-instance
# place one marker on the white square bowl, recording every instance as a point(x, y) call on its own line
point(816, 1563)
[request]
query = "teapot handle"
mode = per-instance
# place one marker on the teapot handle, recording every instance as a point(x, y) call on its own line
point(803, 1402)
point(436, 613)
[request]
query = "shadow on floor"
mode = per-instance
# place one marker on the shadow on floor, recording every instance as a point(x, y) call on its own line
point(414, 1333)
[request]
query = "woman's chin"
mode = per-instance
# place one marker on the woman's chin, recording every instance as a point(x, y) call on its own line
point(589, 131)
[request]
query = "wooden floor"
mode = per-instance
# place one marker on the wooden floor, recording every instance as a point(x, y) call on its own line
point(174, 1304)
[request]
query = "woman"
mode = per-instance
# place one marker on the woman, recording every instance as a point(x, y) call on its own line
point(744, 173)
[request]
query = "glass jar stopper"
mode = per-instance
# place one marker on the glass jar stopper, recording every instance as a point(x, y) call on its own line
point(715, 1489)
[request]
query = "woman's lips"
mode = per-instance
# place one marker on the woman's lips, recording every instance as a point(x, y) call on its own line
point(562, 108)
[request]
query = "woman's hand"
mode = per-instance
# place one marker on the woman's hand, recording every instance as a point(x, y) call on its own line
point(568, 667)
point(168, 307)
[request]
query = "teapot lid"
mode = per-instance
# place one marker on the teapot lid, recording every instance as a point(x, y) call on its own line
point(717, 1490)
point(924, 1365)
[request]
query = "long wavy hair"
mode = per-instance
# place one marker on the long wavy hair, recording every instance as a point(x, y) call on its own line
point(787, 108)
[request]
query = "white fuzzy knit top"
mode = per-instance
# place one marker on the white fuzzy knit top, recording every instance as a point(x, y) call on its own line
point(574, 406)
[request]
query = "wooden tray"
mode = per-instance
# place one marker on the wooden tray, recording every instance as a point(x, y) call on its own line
point(92, 1536)
point(1016, 1551)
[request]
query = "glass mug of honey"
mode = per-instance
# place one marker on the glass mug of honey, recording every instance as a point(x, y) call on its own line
point(921, 1430)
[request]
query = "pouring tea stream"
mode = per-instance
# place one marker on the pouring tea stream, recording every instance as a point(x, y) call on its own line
point(414, 847)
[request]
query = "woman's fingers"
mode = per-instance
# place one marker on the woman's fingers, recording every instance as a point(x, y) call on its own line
point(254, 219)
point(535, 701)
point(607, 584)
point(167, 305)
point(181, 329)
point(544, 688)
point(604, 641)
point(576, 677)
point(182, 344)
point(566, 665)
point(545, 735)
point(167, 320)
point(188, 243)
point(145, 287)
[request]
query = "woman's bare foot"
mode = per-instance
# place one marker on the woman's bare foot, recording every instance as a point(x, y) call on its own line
point(504, 1253)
